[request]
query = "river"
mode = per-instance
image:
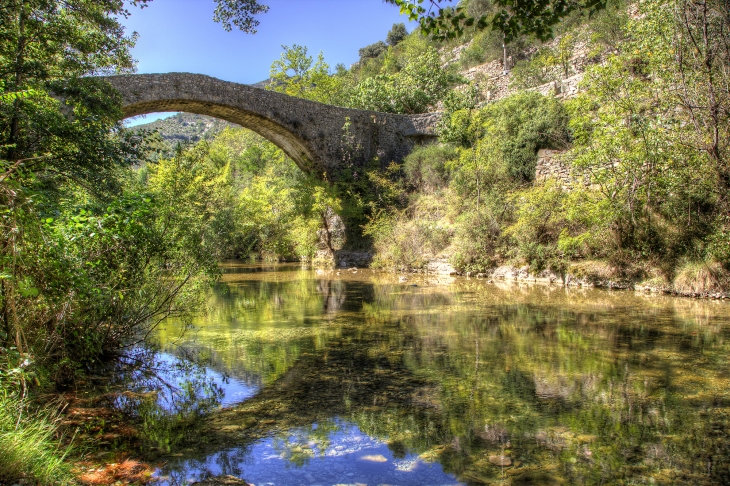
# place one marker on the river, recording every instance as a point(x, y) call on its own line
point(303, 376)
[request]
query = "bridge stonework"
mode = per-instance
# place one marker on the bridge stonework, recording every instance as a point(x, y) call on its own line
point(323, 140)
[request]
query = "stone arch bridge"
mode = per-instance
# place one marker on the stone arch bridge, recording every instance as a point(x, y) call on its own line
point(323, 140)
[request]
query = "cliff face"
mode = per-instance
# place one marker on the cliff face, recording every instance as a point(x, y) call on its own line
point(495, 83)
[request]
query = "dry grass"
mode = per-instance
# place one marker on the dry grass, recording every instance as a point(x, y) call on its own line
point(595, 269)
point(701, 278)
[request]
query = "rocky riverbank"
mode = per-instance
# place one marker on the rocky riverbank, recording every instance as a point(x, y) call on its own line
point(588, 274)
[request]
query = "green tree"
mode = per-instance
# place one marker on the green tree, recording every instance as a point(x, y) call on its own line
point(396, 34)
point(47, 143)
point(292, 71)
point(656, 169)
point(296, 74)
point(239, 13)
point(421, 83)
point(512, 18)
point(372, 51)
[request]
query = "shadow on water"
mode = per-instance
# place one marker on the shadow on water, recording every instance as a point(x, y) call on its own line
point(346, 377)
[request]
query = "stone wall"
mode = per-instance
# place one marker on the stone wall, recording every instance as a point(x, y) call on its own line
point(563, 89)
point(551, 166)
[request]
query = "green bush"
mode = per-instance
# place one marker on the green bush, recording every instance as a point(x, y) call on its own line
point(478, 238)
point(485, 47)
point(403, 243)
point(512, 129)
point(525, 123)
point(425, 167)
point(529, 73)
point(539, 223)
point(460, 124)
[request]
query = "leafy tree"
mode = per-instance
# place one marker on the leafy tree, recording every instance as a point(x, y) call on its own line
point(292, 71)
point(372, 51)
point(701, 42)
point(396, 34)
point(240, 13)
point(512, 18)
point(563, 53)
point(46, 143)
point(296, 74)
point(421, 83)
point(661, 187)
point(529, 73)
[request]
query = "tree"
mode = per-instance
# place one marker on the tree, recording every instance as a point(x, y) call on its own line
point(290, 73)
point(82, 263)
point(296, 74)
point(421, 83)
point(396, 34)
point(701, 41)
point(647, 139)
point(44, 142)
point(239, 13)
point(373, 50)
point(511, 17)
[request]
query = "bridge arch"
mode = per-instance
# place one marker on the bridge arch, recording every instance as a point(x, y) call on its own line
point(321, 139)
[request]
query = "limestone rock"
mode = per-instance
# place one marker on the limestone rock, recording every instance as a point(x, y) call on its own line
point(502, 461)
point(440, 266)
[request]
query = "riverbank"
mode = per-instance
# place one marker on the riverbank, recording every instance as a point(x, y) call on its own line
point(705, 284)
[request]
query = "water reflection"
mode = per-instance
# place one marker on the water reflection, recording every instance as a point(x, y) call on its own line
point(465, 382)
point(335, 452)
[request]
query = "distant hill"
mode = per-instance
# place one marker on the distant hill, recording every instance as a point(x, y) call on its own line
point(186, 127)
point(262, 84)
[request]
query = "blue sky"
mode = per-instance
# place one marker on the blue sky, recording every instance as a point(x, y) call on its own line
point(180, 36)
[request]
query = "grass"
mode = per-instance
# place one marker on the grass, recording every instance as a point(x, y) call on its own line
point(30, 448)
point(697, 277)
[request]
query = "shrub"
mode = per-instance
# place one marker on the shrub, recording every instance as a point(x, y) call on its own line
point(421, 83)
point(485, 47)
point(513, 130)
point(478, 239)
point(397, 242)
point(529, 73)
point(425, 167)
point(525, 123)
point(540, 221)
point(460, 124)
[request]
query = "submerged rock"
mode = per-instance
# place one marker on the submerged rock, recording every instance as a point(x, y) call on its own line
point(500, 460)
point(374, 458)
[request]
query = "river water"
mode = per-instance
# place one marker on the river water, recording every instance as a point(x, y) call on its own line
point(302, 377)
